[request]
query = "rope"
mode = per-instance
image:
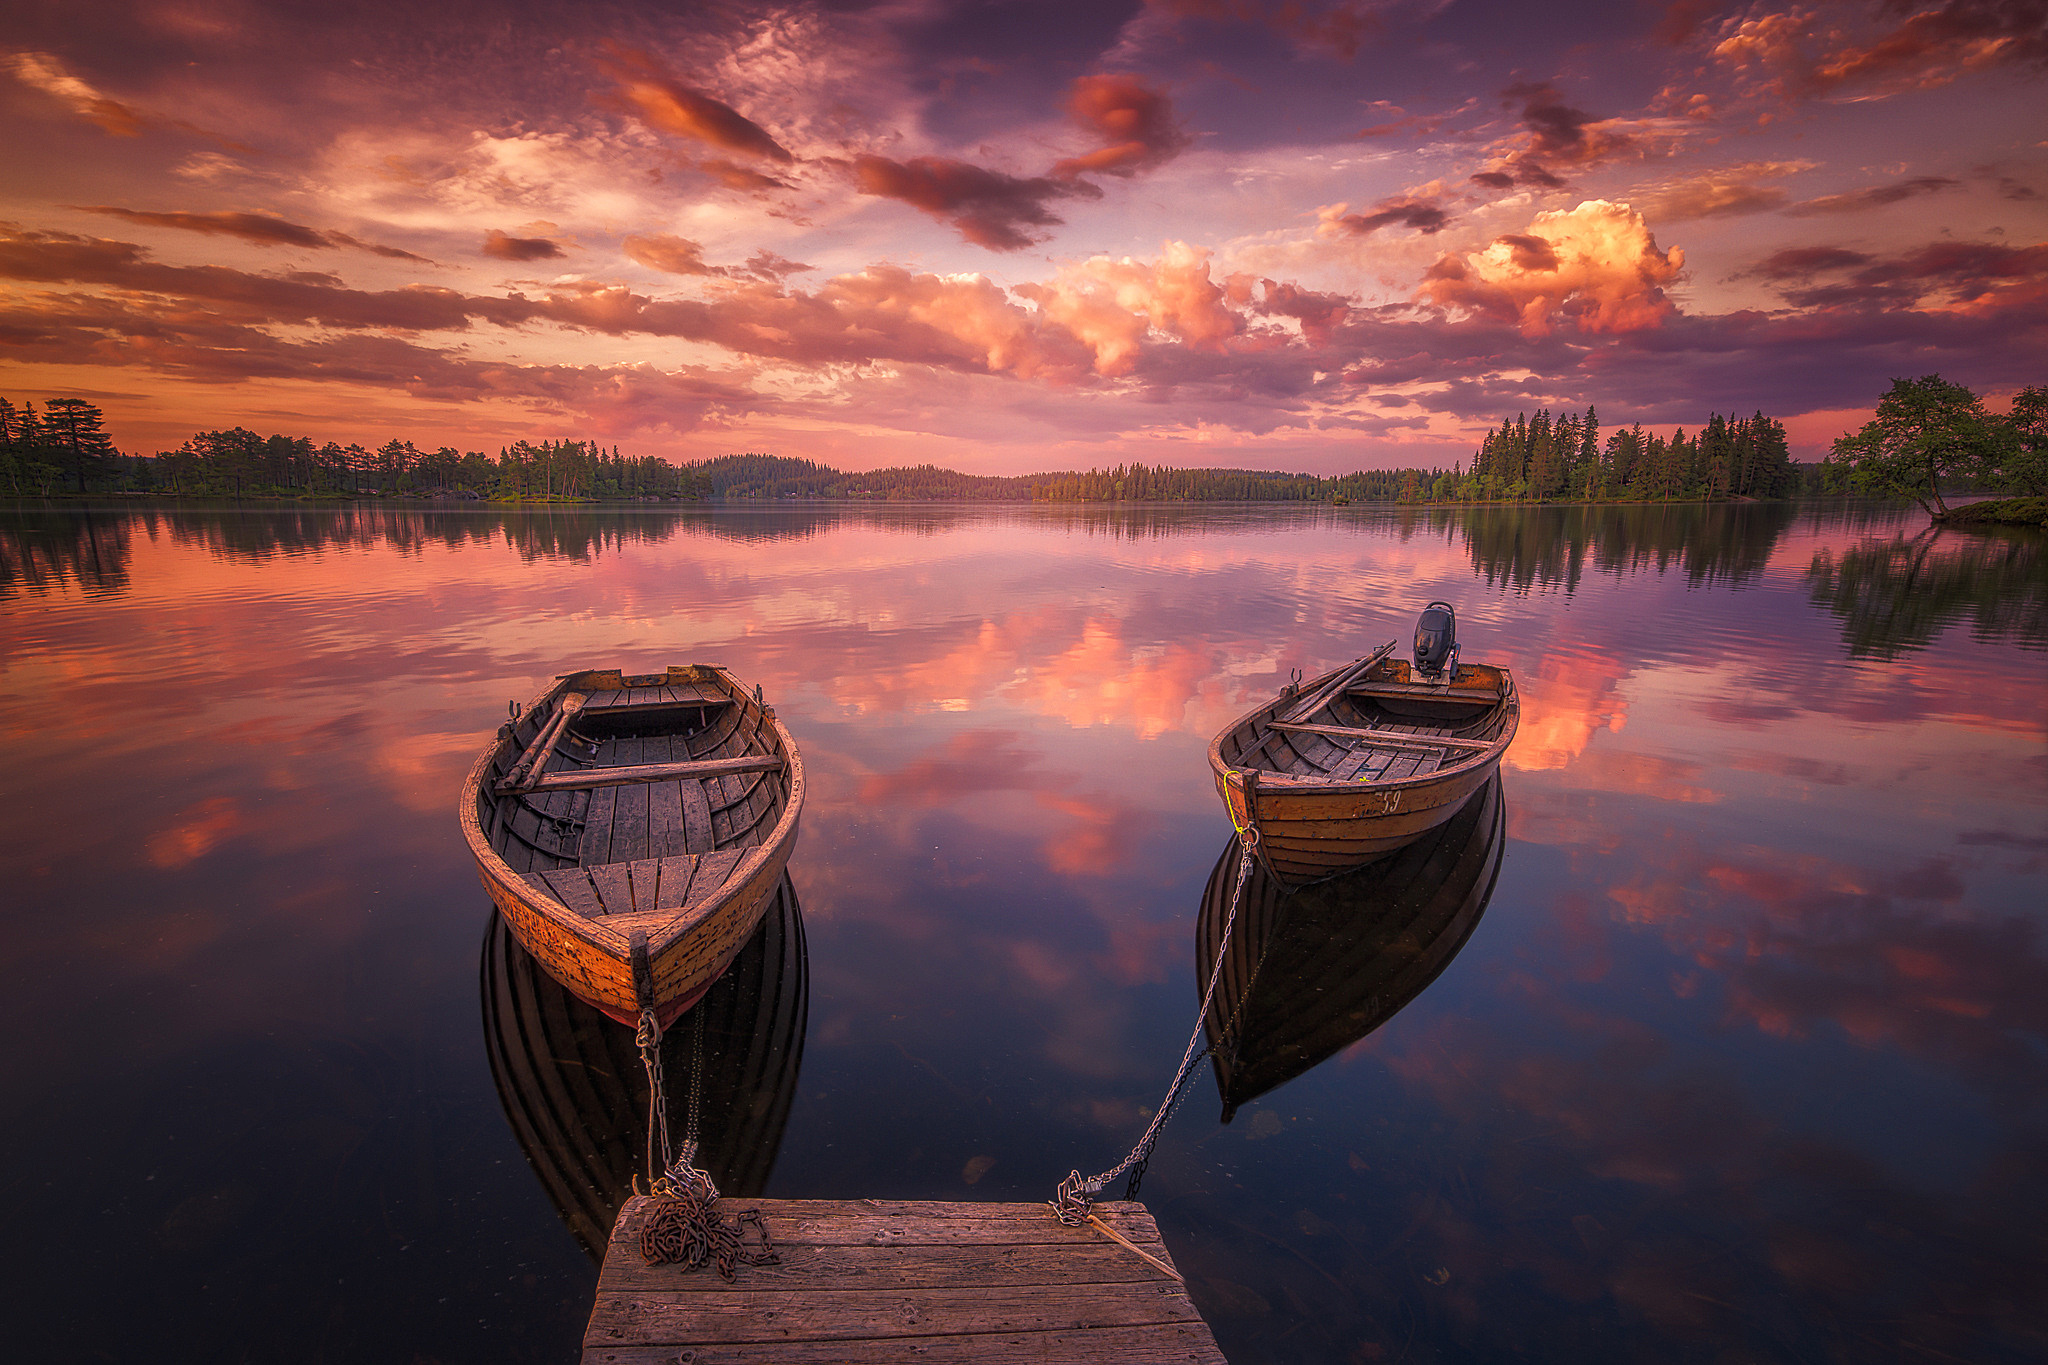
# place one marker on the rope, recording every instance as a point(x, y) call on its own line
point(1070, 1203)
point(684, 1225)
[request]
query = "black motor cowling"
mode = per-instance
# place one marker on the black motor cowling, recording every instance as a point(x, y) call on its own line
point(1436, 638)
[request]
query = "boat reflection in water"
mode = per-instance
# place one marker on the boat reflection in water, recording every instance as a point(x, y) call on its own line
point(575, 1091)
point(1311, 971)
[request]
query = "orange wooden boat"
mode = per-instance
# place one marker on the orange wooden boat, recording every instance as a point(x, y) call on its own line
point(1339, 772)
point(633, 829)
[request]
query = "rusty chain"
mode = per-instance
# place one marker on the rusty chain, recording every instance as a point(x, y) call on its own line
point(684, 1225)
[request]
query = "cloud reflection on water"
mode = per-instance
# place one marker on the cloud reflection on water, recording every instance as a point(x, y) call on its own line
point(1766, 908)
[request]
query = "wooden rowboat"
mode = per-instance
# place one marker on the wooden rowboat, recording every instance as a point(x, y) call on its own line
point(632, 830)
point(575, 1092)
point(1310, 971)
point(1348, 768)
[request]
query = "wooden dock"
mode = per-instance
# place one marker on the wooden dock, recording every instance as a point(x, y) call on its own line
point(876, 1280)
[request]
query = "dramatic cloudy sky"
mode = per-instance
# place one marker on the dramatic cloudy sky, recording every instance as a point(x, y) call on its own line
point(1307, 234)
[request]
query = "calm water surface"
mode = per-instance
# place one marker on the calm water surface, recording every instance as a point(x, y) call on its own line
point(1743, 1060)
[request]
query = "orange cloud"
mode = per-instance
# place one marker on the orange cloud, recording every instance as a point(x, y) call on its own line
point(1596, 265)
point(1101, 679)
point(44, 72)
point(1135, 122)
point(1081, 670)
point(41, 71)
point(660, 251)
point(662, 102)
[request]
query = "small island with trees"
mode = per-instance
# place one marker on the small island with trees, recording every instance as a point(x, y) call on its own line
point(1928, 437)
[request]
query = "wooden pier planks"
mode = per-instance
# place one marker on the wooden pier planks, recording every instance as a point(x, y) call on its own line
point(872, 1280)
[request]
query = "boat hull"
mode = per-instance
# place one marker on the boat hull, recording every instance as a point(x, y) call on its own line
point(1311, 825)
point(582, 941)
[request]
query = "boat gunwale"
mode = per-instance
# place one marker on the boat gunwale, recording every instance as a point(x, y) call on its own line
point(1277, 782)
point(596, 933)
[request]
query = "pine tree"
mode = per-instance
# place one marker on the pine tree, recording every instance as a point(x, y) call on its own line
point(75, 429)
point(1589, 456)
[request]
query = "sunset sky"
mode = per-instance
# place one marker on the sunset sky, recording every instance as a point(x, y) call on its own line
point(1007, 237)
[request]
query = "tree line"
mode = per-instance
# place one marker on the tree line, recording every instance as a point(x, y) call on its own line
point(1563, 458)
point(65, 448)
point(1928, 434)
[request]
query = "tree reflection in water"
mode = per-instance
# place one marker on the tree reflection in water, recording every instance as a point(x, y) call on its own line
point(41, 549)
point(1895, 596)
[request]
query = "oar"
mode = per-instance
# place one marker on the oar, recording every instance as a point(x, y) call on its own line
point(536, 758)
point(1316, 703)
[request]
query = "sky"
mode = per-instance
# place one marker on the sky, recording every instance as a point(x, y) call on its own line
point(1012, 237)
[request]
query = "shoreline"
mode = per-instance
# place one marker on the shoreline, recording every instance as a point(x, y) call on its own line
point(133, 497)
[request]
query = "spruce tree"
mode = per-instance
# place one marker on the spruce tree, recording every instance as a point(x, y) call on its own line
point(76, 431)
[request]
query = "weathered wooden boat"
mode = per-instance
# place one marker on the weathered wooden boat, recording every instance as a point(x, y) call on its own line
point(632, 830)
point(1310, 971)
point(1368, 758)
point(575, 1092)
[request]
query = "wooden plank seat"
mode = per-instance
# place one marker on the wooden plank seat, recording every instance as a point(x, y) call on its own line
point(675, 883)
point(1463, 696)
point(658, 706)
point(674, 694)
point(1386, 739)
point(583, 779)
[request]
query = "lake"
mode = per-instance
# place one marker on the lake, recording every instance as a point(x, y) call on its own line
point(1744, 1056)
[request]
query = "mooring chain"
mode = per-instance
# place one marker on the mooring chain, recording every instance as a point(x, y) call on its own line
point(688, 1156)
point(685, 1228)
point(648, 1036)
point(684, 1225)
point(1070, 1202)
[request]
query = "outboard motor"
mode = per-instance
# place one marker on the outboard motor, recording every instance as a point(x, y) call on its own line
point(1436, 642)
